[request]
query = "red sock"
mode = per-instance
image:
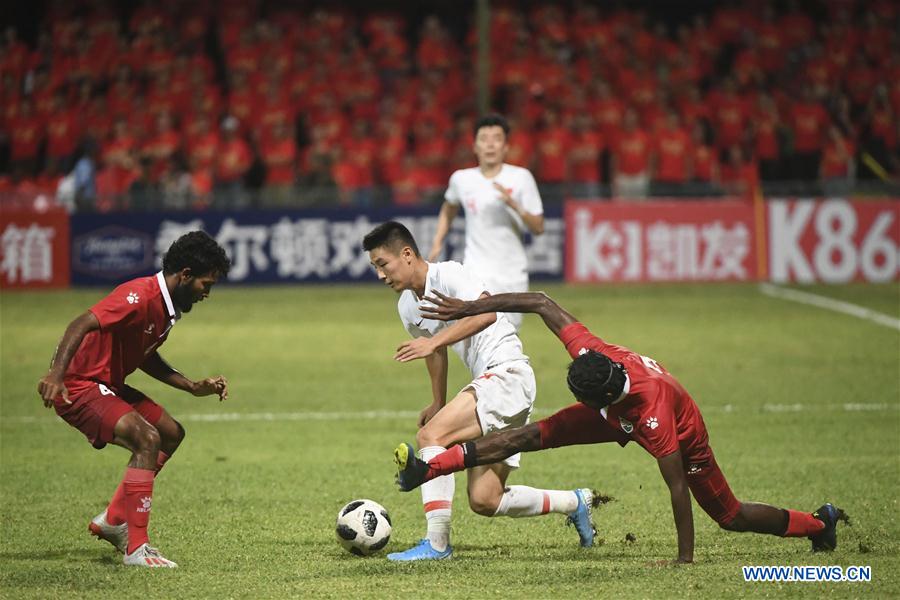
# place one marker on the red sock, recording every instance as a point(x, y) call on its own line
point(138, 498)
point(116, 511)
point(448, 461)
point(802, 524)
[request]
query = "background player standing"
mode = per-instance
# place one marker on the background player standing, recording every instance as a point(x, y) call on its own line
point(500, 201)
point(622, 396)
point(86, 382)
point(500, 395)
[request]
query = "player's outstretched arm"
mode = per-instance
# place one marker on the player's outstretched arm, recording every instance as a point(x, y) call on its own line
point(156, 367)
point(672, 470)
point(51, 385)
point(448, 309)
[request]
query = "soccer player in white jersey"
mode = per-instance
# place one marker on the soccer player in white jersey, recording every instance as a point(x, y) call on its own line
point(500, 202)
point(500, 395)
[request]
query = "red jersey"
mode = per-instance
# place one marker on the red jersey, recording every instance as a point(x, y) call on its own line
point(656, 412)
point(135, 319)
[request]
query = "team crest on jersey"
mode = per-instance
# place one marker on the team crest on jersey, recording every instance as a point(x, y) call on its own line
point(132, 298)
point(582, 351)
point(652, 423)
point(626, 425)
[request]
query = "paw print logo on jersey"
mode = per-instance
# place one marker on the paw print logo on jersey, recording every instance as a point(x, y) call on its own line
point(132, 298)
point(145, 504)
point(652, 423)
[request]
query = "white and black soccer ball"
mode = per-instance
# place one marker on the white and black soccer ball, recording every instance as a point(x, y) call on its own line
point(363, 527)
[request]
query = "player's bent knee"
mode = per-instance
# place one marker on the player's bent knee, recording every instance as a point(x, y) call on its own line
point(484, 504)
point(146, 438)
point(429, 436)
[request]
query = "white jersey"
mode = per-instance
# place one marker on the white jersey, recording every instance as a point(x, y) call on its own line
point(494, 248)
point(488, 348)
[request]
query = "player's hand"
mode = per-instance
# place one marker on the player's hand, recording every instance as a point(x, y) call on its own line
point(413, 349)
point(445, 308)
point(211, 385)
point(506, 197)
point(51, 386)
point(428, 413)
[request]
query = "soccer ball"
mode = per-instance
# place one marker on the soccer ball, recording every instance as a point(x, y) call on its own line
point(363, 527)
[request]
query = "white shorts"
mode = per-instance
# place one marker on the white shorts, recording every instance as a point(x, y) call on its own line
point(504, 398)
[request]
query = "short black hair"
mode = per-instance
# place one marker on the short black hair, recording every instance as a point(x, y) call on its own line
point(392, 235)
point(595, 379)
point(492, 120)
point(198, 252)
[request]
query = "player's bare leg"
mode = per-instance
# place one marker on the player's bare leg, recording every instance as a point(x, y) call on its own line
point(456, 421)
point(765, 518)
point(143, 439)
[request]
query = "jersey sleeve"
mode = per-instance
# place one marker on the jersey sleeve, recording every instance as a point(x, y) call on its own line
point(408, 320)
point(452, 194)
point(531, 198)
point(578, 339)
point(119, 309)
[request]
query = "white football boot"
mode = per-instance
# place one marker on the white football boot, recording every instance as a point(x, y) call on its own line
point(117, 535)
point(147, 556)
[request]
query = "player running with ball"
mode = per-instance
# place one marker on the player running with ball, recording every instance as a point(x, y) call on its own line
point(500, 395)
point(86, 382)
point(622, 396)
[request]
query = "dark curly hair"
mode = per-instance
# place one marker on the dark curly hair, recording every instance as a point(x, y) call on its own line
point(595, 379)
point(198, 252)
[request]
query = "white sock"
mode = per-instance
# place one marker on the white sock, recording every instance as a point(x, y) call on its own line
point(437, 497)
point(524, 501)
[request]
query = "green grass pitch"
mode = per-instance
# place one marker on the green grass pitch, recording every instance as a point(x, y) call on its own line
point(247, 505)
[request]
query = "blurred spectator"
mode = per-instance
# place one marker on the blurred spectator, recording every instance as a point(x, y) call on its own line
point(740, 175)
point(553, 144)
point(232, 164)
point(704, 160)
point(85, 173)
point(672, 156)
point(808, 120)
point(837, 171)
point(630, 164)
point(585, 154)
point(279, 154)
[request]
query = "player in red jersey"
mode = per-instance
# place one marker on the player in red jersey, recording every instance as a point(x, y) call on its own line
point(86, 382)
point(622, 396)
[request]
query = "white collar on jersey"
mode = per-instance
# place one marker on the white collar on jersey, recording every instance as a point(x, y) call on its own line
point(625, 390)
point(174, 314)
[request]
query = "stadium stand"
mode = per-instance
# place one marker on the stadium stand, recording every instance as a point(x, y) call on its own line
point(193, 104)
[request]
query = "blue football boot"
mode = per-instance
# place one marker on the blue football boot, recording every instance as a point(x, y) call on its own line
point(421, 551)
point(581, 518)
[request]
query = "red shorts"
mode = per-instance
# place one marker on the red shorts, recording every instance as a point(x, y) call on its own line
point(96, 410)
point(711, 490)
point(578, 424)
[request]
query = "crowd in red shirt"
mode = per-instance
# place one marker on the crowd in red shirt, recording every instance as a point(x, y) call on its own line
point(330, 99)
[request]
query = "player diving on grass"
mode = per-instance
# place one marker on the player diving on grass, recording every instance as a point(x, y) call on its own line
point(500, 395)
point(622, 396)
point(86, 383)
